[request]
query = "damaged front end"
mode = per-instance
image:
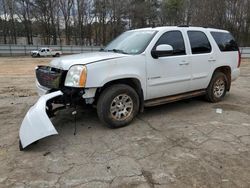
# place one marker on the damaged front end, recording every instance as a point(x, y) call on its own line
point(36, 124)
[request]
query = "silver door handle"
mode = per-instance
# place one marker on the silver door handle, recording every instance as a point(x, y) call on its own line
point(184, 63)
point(211, 60)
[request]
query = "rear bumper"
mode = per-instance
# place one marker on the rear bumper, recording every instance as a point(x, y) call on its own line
point(36, 124)
point(235, 74)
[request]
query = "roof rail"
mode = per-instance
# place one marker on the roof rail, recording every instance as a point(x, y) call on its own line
point(183, 26)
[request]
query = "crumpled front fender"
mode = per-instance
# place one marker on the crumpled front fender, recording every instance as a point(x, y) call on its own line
point(36, 124)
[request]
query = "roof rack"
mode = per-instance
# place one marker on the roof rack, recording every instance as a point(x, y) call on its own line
point(183, 26)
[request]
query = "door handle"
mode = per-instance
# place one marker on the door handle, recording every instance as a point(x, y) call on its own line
point(211, 60)
point(183, 63)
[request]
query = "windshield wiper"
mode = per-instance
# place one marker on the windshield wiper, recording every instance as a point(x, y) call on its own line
point(117, 51)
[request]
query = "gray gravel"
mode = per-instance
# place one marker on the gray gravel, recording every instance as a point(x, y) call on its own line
point(183, 144)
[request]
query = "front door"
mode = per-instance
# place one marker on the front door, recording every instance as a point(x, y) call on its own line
point(171, 74)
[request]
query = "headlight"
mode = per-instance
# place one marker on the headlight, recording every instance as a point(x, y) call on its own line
point(76, 76)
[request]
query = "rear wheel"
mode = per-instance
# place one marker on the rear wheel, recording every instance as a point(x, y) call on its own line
point(118, 105)
point(217, 88)
point(57, 55)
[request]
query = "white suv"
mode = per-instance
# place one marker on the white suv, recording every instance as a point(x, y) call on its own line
point(140, 68)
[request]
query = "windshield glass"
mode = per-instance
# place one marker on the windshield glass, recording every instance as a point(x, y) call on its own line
point(131, 42)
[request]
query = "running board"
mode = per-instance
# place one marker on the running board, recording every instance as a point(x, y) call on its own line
point(173, 98)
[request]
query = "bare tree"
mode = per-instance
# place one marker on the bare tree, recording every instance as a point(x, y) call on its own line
point(87, 22)
point(24, 14)
point(66, 6)
point(10, 9)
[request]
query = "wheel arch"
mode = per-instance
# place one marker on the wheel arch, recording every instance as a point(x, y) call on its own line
point(132, 82)
point(227, 71)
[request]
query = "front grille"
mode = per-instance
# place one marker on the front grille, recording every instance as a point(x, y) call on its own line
point(50, 77)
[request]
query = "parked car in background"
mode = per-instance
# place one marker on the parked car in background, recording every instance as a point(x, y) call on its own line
point(141, 68)
point(44, 52)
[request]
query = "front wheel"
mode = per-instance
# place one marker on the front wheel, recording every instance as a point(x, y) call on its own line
point(118, 105)
point(217, 88)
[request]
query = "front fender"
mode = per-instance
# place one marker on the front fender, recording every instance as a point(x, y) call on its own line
point(36, 124)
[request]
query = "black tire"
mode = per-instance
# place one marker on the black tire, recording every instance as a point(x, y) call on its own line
point(213, 93)
point(113, 95)
point(34, 55)
point(57, 55)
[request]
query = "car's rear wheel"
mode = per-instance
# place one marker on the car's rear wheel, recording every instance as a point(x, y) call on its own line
point(217, 88)
point(118, 105)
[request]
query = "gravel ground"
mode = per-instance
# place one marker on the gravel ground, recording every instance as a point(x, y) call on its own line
point(183, 144)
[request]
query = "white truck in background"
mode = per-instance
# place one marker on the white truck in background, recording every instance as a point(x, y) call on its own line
point(44, 52)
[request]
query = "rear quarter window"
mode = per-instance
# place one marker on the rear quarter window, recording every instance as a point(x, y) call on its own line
point(225, 41)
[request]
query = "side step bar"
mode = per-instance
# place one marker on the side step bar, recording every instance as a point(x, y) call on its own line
point(173, 98)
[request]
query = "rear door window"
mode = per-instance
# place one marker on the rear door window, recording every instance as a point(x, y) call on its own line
point(199, 42)
point(225, 41)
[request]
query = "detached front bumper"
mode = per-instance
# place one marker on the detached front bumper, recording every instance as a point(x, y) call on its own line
point(36, 124)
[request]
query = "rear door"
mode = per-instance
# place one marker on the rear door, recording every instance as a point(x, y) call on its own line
point(202, 59)
point(171, 74)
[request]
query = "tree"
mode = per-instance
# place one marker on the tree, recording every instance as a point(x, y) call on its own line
point(24, 14)
point(66, 6)
point(173, 12)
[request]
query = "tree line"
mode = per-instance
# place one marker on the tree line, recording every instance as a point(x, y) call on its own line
point(96, 22)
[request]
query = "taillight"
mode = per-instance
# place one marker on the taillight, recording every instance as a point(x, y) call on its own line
point(239, 61)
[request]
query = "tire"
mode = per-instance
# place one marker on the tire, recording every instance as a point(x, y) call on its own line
point(217, 88)
point(111, 105)
point(34, 55)
point(57, 55)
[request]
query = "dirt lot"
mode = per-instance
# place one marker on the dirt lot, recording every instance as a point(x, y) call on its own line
point(184, 144)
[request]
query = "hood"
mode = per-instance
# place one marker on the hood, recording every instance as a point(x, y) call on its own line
point(34, 51)
point(82, 59)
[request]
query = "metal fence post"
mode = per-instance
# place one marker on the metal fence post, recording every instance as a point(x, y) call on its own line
point(10, 50)
point(25, 50)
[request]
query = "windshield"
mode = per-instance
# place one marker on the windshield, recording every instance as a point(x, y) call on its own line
point(131, 42)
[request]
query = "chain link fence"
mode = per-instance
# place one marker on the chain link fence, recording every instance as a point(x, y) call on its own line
point(19, 50)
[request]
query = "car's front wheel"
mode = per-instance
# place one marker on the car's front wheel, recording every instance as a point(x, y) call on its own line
point(217, 88)
point(118, 105)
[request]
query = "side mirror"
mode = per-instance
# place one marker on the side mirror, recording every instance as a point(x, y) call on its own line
point(162, 51)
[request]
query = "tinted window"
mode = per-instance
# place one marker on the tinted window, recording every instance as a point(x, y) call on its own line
point(47, 50)
point(225, 41)
point(199, 42)
point(175, 39)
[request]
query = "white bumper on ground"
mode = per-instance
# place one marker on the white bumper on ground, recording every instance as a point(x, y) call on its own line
point(36, 124)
